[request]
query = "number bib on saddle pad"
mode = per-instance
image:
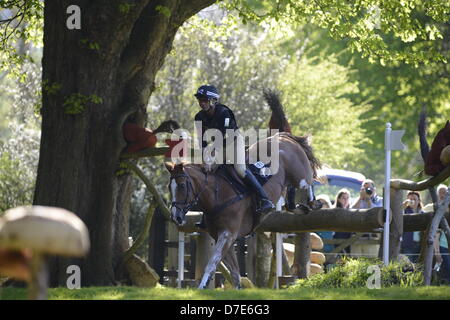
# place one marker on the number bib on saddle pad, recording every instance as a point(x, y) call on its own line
point(261, 171)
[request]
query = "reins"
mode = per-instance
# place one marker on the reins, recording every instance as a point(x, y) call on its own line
point(188, 205)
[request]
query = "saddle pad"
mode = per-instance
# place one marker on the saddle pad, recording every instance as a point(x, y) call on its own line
point(261, 171)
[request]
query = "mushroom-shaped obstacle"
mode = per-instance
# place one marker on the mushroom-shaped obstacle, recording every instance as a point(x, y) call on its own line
point(37, 232)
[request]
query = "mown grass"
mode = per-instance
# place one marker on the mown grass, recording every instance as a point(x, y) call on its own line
point(164, 293)
point(348, 280)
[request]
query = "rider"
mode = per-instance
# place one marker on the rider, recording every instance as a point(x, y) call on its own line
point(215, 115)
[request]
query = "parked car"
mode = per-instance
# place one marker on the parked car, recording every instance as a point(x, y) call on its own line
point(338, 179)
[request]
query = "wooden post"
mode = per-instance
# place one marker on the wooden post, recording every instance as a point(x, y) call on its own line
point(302, 264)
point(241, 249)
point(193, 257)
point(205, 250)
point(286, 266)
point(172, 254)
point(273, 281)
point(396, 229)
point(250, 259)
point(156, 247)
point(263, 259)
point(301, 267)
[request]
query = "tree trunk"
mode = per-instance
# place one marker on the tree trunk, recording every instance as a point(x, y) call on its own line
point(93, 80)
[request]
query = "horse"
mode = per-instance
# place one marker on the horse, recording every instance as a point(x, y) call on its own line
point(190, 185)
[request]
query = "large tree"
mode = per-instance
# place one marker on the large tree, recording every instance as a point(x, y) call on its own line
point(94, 79)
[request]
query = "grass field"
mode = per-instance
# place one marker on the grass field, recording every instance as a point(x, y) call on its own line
point(164, 293)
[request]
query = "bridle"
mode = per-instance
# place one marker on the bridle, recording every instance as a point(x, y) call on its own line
point(187, 206)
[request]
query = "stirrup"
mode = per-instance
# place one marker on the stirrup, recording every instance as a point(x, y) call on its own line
point(265, 206)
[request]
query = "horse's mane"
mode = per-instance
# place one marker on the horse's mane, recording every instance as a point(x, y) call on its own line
point(303, 142)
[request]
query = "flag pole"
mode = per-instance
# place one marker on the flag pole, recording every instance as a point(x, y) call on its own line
point(387, 193)
point(278, 249)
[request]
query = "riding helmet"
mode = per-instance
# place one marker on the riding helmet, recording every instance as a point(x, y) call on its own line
point(207, 91)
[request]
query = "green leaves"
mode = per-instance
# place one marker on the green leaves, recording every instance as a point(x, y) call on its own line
point(370, 23)
point(356, 273)
point(20, 21)
point(92, 45)
point(50, 88)
point(316, 99)
point(125, 7)
point(76, 103)
point(165, 11)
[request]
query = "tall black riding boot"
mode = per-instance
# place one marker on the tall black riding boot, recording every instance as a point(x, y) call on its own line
point(265, 204)
point(290, 205)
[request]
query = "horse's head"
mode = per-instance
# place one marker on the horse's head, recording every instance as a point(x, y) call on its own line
point(182, 192)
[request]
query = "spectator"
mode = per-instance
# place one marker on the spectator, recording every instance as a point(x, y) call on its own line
point(411, 240)
point(343, 201)
point(326, 204)
point(441, 190)
point(441, 254)
point(368, 198)
point(440, 244)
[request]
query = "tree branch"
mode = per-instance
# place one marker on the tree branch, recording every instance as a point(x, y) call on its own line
point(422, 185)
point(428, 261)
point(162, 206)
point(148, 152)
point(143, 234)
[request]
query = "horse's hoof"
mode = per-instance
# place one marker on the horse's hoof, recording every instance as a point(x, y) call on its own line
point(201, 225)
point(315, 205)
point(304, 208)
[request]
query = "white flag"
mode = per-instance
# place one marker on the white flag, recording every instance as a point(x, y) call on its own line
point(396, 140)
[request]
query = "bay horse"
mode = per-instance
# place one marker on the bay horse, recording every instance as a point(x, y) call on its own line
point(190, 185)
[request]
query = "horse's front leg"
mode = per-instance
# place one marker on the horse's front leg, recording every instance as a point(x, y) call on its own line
point(232, 264)
point(224, 242)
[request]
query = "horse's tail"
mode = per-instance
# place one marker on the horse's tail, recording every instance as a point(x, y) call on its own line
point(278, 119)
point(303, 141)
point(167, 126)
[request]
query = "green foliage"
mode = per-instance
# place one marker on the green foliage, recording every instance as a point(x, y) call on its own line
point(125, 7)
point(397, 92)
point(14, 190)
point(18, 165)
point(165, 11)
point(316, 99)
point(76, 102)
point(50, 88)
point(92, 45)
point(354, 273)
point(19, 145)
point(367, 24)
point(21, 25)
point(123, 169)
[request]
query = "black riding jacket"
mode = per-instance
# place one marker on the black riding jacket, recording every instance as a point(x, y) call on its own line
point(222, 119)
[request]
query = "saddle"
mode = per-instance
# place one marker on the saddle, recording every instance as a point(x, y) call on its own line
point(260, 170)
